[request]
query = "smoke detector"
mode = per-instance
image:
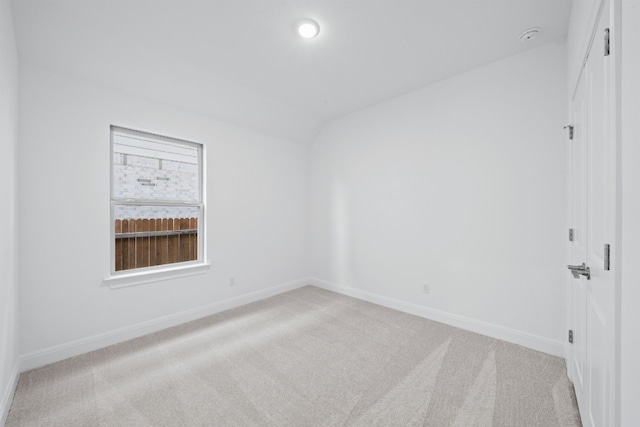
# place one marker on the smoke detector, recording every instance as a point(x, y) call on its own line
point(529, 34)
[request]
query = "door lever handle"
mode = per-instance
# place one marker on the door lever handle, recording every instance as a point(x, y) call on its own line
point(578, 270)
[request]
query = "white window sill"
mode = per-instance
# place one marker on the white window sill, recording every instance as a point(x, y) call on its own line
point(143, 277)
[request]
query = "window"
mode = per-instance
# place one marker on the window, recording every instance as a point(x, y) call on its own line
point(156, 202)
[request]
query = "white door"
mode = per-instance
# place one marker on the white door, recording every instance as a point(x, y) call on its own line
point(591, 364)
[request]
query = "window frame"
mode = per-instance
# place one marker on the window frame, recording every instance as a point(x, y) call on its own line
point(140, 275)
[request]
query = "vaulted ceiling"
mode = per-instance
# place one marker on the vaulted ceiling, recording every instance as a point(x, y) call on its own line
point(241, 60)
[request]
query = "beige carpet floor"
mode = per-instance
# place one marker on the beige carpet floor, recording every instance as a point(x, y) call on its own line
point(308, 357)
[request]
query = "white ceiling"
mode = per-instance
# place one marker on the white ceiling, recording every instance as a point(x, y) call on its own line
point(242, 57)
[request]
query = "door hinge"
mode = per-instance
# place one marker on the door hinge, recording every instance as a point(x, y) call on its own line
point(570, 131)
point(571, 234)
point(570, 336)
point(607, 257)
point(607, 44)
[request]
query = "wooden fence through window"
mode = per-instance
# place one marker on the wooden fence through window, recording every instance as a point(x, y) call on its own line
point(149, 242)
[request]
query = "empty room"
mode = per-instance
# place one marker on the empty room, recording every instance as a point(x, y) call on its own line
point(319, 213)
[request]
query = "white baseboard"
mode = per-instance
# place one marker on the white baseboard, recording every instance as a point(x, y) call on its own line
point(74, 348)
point(9, 391)
point(524, 339)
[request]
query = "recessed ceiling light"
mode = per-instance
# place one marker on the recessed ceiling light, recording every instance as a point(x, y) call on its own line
point(529, 34)
point(308, 28)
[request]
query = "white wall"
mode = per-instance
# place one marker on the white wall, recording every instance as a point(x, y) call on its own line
point(8, 219)
point(630, 290)
point(257, 195)
point(460, 185)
